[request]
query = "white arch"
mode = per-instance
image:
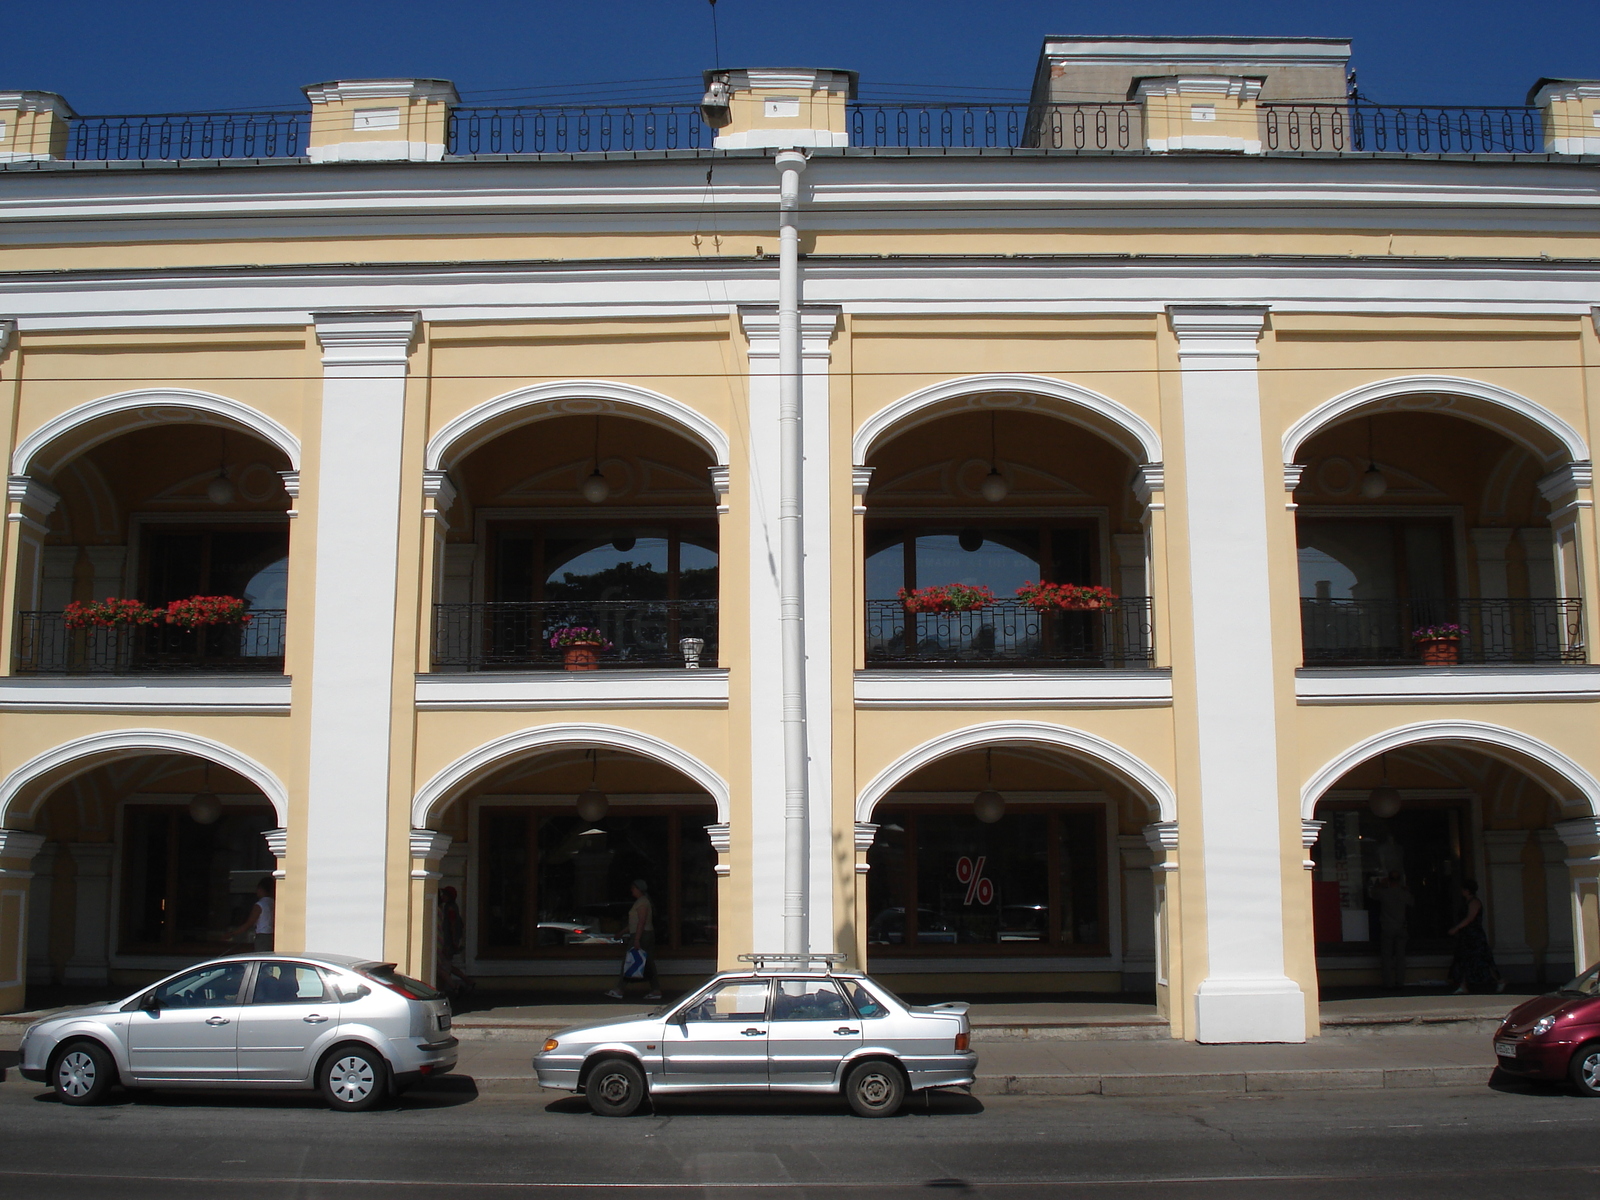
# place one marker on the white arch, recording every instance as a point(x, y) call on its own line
point(444, 786)
point(1141, 442)
point(999, 733)
point(569, 397)
point(153, 398)
point(1513, 747)
point(100, 748)
point(1319, 418)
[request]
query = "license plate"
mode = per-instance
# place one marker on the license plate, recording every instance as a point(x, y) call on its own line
point(1506, 1049)
point(444, 1022)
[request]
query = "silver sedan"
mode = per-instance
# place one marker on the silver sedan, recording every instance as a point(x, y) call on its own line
point(768, 1031)
point(357, 1030)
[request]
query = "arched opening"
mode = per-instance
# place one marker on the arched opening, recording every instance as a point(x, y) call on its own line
point(150, 508)
point(582, 540)
point(150, 861)
point(1400, 831)
point(544, 850)
point(1018, 865)
point(1433, 529)
point(1001, 531)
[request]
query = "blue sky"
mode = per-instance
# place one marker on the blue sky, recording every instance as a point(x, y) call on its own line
point(164, 56)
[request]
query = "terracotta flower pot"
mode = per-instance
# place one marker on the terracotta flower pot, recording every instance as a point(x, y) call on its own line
point(582, 658)
point(1441, 652)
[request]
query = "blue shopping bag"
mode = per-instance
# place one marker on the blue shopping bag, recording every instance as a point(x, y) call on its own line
point(633, 964)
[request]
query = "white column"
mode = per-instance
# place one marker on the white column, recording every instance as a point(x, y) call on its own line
point(110, 566)
point(1508, 928)
point(1581, 836)
point(765, 666)
point(58, 566)
point(40, 893)
point(357, 491)
point(1245, 997)
point(1489, 549)
point(1539, 558)
point(17, 847)
point(91, 926)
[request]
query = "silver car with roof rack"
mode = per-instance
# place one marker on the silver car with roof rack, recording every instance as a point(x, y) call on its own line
point(357, 1030)
point(787, 1023)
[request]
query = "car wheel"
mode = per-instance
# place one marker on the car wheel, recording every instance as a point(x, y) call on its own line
point(83, 1073)
point(875, 1089)
point(354, 1079)
point(1584, 1070)
point(615, 1088)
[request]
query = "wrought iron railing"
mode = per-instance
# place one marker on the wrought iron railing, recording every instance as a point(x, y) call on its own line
point(46, 646)
point(560, 129)
point(1009, 632)
point(1379, 632)
point(980, 126)
point(189, 135)
point(1402, 129)
point(516, 635)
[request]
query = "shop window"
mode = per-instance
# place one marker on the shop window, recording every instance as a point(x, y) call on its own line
point(944, 882)
point(1357, 850)
point(556, 885)
point(184, 885)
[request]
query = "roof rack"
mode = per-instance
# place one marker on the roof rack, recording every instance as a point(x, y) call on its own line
point(793, 961)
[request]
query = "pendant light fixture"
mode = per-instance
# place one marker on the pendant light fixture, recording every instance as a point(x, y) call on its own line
point(593, 804)
point(1384, 801)
point(1373, 483)
point(989, 805)
point(205, 808)
point(221, 490)
point(596, 489)
point(994, 487)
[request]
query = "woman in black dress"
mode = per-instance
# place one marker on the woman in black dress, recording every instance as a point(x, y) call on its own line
point(1473, 968)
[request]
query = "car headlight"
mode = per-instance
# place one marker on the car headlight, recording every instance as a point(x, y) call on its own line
point(1544, 1024)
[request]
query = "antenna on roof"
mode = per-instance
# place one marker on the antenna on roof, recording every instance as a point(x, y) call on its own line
point(716, 40)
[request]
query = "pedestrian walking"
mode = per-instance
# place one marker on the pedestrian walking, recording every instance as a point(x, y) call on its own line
point(450, 944)
point(1394, 902)
point(1473, 967)
point(258, 923)
point(641, 937)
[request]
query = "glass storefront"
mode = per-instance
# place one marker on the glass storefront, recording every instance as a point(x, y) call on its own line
point(944, 882)
point(185, 885)
point(554, 885)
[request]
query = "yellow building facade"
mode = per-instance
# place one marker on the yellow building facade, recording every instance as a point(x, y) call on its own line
point(445, 395)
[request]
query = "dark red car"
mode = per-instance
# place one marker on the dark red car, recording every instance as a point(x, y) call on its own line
point(1557, 1036)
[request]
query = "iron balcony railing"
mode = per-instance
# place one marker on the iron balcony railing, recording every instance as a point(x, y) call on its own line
point(1402, 129)
point(189, 135)
point(1379, 632)
point(1011, 633)
point(45, 646)
point(557, 129)
point(516, 635)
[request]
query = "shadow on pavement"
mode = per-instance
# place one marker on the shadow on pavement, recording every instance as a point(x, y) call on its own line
point(448, 1091)
point(921, 1104)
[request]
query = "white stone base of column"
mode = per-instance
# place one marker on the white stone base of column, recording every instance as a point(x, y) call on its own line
point(1250, 1010)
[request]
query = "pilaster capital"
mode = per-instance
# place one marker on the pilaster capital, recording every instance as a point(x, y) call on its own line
point(860, 481)
point(1148, 479)
point(8, 333)
point(1217, 330)
point(20, 843)
point(277, 841)
point(721, 484)
point(436, 486)
point(818, 323)
point(365, 339)
point(429, 844)
point(30, 493)
point(866, 834)
point(721, 837)
point(1580, 831)
point(1161, 836)
point(1565, 480)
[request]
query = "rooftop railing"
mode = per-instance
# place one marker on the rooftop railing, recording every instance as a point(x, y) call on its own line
point(47, 646)
point(1009, 633)
point(1401, 129)
point(172, 136)
point(557, 129)
point(984, 126)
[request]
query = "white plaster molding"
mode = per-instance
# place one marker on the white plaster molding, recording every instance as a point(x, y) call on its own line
point(1073, 742)
point(1291, 476)
point(1310, 831)
point(30, 493)
point(1566, 479)
point(818, 324)
point(148, 694)
point(865, 834)
point(1337, 409)
point(277, 841)
point(1446, 685)
point(1141, 442)
point(165, 406)
point(780, 139)
point(429, 844)
point(1181, 87)
point(471, 766)
point(36, 102)
point(8, 331)
point(436, 486)
point(1000, 688)
point(372, 151)
point(342, 91)
point(1580, 831)
point(721, 484)
point(71, 759)
point(1148, 479)
point(20, 843)
point(570, 397)
point(1507, 745)
point(860, 481)
point(720, 836)
point(380, 338)
point(1217, 330)
point(1161, 836)
point(544, 691)
point(291, 488)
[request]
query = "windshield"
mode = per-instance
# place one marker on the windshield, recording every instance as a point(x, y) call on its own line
point(1587, 984)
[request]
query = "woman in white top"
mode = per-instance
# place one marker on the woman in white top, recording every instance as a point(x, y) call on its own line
point(259, 923)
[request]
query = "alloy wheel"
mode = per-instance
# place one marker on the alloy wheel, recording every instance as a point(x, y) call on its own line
point(75, 1073)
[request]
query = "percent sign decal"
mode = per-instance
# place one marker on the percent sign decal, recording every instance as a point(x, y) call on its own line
point(971, 874)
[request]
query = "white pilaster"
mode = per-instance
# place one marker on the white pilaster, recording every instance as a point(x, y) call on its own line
point(91, 928)
point(1245, 997)
point(17, 846)
point(357, 492)
point(1138, 913)
point(57, 573)
point(766, 684)
point(40, 899)
point(1557, 905)
point(1507, 927)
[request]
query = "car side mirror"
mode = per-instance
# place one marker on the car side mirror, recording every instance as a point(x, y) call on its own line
point(150, 1002)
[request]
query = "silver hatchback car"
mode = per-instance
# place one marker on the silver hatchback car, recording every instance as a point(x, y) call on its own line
point(356, 1030)
point(768, 1030)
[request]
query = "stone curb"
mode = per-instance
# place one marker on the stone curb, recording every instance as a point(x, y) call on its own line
point(1230, 1082)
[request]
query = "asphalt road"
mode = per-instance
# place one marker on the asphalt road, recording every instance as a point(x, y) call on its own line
point(451, 1144)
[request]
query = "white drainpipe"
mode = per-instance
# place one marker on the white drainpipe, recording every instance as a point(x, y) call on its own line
point(791, 561)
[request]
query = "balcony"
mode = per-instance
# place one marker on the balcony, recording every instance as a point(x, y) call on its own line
point(1009, 633)
point(516, 635)
point(1359, 633)
point(46, 646)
